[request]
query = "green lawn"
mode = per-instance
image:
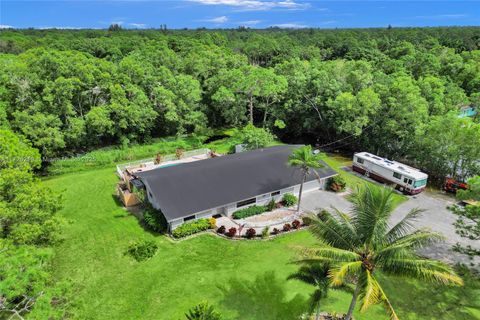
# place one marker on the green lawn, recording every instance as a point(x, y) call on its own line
point(243, 279)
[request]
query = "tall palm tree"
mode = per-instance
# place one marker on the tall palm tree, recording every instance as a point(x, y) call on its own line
point(307, 161)
point(315, 274)
point(364, 243)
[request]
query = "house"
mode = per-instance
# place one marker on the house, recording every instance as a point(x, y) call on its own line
point(467, 111)
point(219, 186)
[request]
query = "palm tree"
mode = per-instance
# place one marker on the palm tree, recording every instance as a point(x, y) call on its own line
point(364, 243)
point(315, 274)
point(203, 311)
point(306, 160)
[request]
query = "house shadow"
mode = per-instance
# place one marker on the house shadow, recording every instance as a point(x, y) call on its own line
point(263, 298)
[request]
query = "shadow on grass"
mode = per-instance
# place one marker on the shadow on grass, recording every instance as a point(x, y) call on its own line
point(264, 298)
point(420, 300)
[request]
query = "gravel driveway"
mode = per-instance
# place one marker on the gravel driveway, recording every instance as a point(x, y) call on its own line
point(436, 217)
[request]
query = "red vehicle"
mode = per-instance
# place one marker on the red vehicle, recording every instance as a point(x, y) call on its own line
point(452, 185)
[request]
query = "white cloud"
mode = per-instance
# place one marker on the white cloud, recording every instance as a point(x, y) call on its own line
point(4, 26)
point(291, 25)
point(138, 25)
point(221, 19)
point(249, 22)
point(255, 5)
point(443, 16)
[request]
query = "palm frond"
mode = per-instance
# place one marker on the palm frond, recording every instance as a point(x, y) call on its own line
point(338, 274)
point(417, 240)
point(430, 270)
point(372, 293)
point(404, 226)
point(331, 231)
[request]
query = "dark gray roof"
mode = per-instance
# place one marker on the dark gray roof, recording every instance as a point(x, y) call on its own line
point(189, 188)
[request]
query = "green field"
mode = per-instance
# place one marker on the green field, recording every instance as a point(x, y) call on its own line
point(243, 279)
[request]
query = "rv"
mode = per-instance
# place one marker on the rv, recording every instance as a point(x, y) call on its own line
point(406, 179)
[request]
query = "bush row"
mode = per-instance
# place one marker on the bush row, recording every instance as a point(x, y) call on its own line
point(189, 228)
point(248, 212)
point(251, 233)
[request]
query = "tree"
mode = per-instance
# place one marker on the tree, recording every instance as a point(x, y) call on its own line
point(363, 244)
point(252, 137)
point(304, 159)
point(468, 221)
point(315, 274)
point(203, 311)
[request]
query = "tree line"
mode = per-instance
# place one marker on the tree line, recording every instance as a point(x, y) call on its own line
point(393, 92)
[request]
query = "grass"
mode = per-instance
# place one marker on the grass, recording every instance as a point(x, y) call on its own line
point(243, 279)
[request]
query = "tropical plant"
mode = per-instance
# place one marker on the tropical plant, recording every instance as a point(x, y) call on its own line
point(231, 232)
point(296, 224)
point(289, 200)
point(304, 159)
point(203, 311)
point(250, 233)
point(315, 274)
point(265, 232)
point(221, 230)
point(212, 222)
point(287, 227)
point(337, 183)
point(142, 250)
point(360, 245)
point(271, 205)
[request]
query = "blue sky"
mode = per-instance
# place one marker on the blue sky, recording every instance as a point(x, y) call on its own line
point(233, 13)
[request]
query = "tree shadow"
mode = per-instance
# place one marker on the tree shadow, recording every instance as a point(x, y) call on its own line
point(437, 301)
point(264, 298)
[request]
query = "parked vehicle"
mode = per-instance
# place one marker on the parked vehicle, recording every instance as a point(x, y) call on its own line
point(452, 185)
point(405, 178)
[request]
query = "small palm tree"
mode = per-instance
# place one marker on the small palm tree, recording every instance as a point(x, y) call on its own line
point(203, 311)
point(306, 160)
point(360, 245)
point(315, 274)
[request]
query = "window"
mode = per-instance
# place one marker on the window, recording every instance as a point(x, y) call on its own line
point(276, 193)
point(189, 218)
point(410, 181)
point(246, 202)
point(397, 175)
point(405, 180)
point(359, 160)
point(420, 183)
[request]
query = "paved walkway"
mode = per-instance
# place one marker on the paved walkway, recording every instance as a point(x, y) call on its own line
point(436, 217)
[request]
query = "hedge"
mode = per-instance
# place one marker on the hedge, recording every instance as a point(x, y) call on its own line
point(189, 228)
point(248, 212)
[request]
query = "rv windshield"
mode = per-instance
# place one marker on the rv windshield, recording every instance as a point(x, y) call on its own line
point(420, 183)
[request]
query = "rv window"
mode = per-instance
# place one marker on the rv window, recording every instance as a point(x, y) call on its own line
point(246, 202)
point(359, 160)
point(397, 175)
point(409, 181)
point(405, 180)
point(420, 183)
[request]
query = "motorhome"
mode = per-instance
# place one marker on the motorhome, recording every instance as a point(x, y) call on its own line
point(405, 178)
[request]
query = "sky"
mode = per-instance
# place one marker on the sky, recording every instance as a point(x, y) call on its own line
point(178, 14)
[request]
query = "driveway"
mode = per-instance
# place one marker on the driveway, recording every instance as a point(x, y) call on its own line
point(436, 217)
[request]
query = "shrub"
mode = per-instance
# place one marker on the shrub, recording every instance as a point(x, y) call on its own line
point(271, 205)
point(306, 221)
point(154, 220)
point(212, 223)
point(337, 183)
point(142, 250)
point(250, 233)
point(289, 200)
point(221, 230)
point(189, 228)
point(265, 232)
point(295, 224)
point(231, 232)
point(275, 231)
point(179, 153)
point(248, 212)
point(287, 227)
point(203, 311)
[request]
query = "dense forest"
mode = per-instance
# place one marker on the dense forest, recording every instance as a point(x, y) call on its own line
point(394, 92)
